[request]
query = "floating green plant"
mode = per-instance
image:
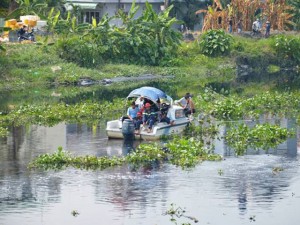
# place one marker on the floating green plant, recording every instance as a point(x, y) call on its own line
point(261, 136)
point(145, 154)
point(178, 212)
point(50, 115)
point(187, 152)
point(61, 159)
point(276, 170)
point(180, 152)
point(74, 213)
point(234, 107)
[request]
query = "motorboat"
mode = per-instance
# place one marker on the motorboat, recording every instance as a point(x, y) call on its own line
point(120, 130)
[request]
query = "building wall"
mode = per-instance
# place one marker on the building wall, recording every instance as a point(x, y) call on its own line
point(111, 7)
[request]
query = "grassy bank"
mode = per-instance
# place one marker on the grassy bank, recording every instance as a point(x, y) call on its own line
point(29, 66)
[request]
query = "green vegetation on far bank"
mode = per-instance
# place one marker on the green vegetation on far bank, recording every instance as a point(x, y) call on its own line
point(26, 66)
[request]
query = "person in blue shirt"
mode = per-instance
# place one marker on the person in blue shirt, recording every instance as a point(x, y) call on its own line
point(132, 111)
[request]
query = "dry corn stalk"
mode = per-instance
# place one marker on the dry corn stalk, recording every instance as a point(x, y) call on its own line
point(247, 10)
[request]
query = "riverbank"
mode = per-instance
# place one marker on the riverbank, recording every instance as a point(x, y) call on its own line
point(44, 66)
point(31, 73)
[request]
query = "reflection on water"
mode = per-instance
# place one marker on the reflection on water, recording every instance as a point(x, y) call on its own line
point(247, 186)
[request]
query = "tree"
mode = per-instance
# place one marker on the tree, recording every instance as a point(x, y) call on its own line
point(296, 12)
point(4, 8)
point(185, 10)
point(4, 4)
point(29, 7)
point(12, 6)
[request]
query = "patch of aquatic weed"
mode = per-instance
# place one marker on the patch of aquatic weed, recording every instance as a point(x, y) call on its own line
point(185, 153)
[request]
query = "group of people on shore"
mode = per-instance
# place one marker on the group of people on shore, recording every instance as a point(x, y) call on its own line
point(256, 27)
point(145, 112)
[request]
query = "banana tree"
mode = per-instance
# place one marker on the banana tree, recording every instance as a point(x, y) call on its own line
point(296, 12)
point(29, 7)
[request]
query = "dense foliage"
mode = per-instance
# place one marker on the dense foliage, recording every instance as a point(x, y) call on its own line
point(149, 39)
point(215, 43)
point(288, 47)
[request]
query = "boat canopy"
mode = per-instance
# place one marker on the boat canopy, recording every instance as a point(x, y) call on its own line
point(150, 93)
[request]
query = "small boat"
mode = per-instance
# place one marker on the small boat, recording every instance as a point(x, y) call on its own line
point(117, 129)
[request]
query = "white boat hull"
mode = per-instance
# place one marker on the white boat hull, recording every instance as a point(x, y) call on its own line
point(114, 130)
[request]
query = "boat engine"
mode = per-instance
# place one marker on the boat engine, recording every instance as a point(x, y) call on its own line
point(128, 129)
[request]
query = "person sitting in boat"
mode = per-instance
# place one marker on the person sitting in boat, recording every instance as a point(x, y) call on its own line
point(187, 104)
point(131, 112)
point(149, 117)
point(138, 122)
point(167, 117)
point(140, 102)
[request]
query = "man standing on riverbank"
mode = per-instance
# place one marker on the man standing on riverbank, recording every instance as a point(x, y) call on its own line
point(230, 23)
point(239, 26)
point(268, 28)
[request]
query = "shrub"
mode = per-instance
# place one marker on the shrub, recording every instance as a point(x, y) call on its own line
point(148, 40)
point(215, 43)
point(287, 47)
point(82, 52)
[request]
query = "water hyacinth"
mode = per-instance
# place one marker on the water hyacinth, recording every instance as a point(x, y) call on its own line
point(62, 159)
point(146, 153)
point(261, 136)
point(180, 152)
point(50, 115)
point(189, 152)
point(234, 108)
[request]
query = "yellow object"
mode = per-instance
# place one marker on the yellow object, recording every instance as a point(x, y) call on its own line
point(20, 24)
point(32, 23)
point(26, 21)
point(12, 22)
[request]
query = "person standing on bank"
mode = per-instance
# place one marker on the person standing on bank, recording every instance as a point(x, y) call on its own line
point(239, 26)
point(230, 23)
point(268, 28)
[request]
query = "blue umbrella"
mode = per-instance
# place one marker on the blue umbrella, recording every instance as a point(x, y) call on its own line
point(148, 92)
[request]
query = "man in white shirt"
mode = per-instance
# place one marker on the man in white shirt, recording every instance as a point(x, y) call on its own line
point(187, 104)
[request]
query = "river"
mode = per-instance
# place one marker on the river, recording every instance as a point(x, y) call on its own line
point(237, 190)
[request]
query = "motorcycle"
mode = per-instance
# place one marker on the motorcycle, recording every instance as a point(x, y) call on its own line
point(27, 36)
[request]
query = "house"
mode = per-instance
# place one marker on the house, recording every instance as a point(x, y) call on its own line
point(98, 8)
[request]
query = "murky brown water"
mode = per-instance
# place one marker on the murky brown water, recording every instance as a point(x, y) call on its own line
point(117, 196)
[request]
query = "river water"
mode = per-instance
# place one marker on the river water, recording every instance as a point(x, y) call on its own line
point(237, 190)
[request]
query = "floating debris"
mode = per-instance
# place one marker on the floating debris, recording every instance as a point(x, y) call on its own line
point(75, 213)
